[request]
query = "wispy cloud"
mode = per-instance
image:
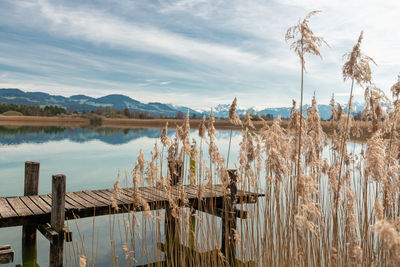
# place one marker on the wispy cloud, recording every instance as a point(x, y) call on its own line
point(208, 50)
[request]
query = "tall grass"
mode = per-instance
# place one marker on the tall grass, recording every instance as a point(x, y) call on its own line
point(330, 205)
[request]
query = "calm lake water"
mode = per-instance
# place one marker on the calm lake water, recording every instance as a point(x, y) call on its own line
point(90, 159)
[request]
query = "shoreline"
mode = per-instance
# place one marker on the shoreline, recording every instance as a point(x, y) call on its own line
point(125, 123)
point(108, 122)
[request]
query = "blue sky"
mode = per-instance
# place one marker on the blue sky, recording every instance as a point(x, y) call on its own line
point(197, 53)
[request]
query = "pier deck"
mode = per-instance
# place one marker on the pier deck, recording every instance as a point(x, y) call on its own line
point(37, 208)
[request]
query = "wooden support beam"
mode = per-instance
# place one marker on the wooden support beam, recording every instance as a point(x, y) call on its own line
point(47, 231)
point(57, 218)
point(241, 214)
point(52, 235)
point(6, 254)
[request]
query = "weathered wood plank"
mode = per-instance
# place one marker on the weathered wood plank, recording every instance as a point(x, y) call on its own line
point(41, 203)
point(102, 195)
point(77, 198)
point(143, 194)
point(120, 196)
point(48, 232)
point(108, 195)
point(20, 208)
point(206, 192)
point(6, 254)
point(72, 202)
point(85, 200)
point(32, 206)
point(68, 205)
point(5, 209)
point(98, 198)
point(156, 193)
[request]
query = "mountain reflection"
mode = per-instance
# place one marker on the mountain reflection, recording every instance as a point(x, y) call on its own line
point(34, 134)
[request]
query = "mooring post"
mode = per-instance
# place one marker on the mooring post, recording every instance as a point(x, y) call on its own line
point(57, 219)
point(228, 227)
point(29, 234)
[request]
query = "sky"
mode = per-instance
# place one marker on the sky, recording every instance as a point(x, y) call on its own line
point(196, 53)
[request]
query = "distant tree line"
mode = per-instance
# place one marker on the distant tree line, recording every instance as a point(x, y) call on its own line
point(33, 110)
point(107, 112)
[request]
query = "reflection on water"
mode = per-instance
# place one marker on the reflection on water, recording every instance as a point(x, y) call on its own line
point(113, 136)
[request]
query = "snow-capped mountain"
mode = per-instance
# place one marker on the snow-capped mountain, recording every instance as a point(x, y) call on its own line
point(222, 110)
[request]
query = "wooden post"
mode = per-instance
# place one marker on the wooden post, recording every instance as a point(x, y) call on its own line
point(57, 219)
point(31, 185)
point(29, 233)
point(228, 227)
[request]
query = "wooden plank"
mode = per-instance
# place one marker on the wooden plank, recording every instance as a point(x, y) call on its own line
point(4, 247)
point(216, 190)
point(32, 206)
point(89, 199)
point(74, 196)
point(206, 192)
point(41, 203)
point(47, 199)
point(108, 195)
point(145, 195)
point(72, 202)
point(68, 206)
point(6, 255)
point(175, 194)
point(191, 190)
point(48, 232)
point(156, 193)
point(5, 209)
point(20, 208)
point(98, 198)
point(126, 199)
point(189, 193)
point(129, 192)
point(102, 195)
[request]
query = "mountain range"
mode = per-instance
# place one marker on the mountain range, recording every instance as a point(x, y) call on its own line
point(82, 103)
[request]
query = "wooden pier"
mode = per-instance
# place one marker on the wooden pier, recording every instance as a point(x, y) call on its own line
point(48, 212)
point(37, 209)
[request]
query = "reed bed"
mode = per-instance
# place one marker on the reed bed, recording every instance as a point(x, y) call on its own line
point(327, 202)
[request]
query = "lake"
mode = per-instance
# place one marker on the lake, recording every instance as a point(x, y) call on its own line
point(90, 159)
